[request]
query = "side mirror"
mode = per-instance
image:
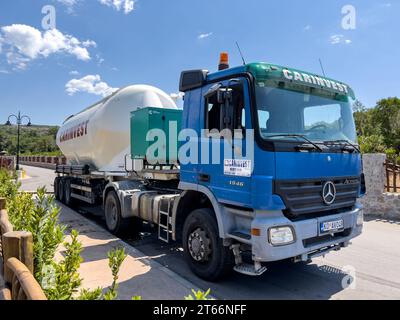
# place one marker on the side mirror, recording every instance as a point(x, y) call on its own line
point(192, 79)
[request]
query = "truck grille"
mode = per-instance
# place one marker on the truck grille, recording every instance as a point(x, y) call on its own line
point(304, 198)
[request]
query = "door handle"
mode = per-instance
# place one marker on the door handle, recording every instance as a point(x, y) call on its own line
point(204, 177)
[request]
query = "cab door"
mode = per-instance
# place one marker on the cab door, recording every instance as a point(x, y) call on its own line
point(226, 158)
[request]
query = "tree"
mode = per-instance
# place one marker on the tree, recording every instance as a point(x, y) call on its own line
point(379, 128)
point(387, 115)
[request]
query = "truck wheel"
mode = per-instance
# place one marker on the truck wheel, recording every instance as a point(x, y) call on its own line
point(61, 188)
point(116, 224)
point(56, 185)
point(69, 201)
point(204, 250)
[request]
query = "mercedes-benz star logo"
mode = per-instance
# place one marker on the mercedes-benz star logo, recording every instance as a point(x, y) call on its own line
point(329, 193)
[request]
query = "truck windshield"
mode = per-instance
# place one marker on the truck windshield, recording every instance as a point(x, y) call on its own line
point(318, 116)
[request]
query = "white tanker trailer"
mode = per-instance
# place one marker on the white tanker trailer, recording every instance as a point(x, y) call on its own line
point(99, 136)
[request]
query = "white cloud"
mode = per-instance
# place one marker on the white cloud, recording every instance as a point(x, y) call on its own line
point(23, 43)
point(18, 61)
point(74, 73)
point(126, 5)
point(90, 84)
point(68, 3)
point(339, 39)
point(89, 43)
point(204, 35)
point(100, 60)
point(307, 28)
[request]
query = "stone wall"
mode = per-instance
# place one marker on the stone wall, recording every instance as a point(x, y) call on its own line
point(377, 201)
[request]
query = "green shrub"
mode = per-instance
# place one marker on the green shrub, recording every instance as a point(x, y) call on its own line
point(67, 279)
point(40, 217)
point(115, 259)
point(65, 276)
point(392, 154)
point(96, 294)
point(199, 295)
point(8, 185)
point(372, 144)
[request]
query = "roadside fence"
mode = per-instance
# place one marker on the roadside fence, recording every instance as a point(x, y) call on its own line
point(43, 161)
point(7, 162)
point(392, 177)
point(16, 262)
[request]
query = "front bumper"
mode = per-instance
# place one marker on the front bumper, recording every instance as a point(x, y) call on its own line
point(308, 242)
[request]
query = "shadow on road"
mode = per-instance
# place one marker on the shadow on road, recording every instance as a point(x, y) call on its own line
point(377, 219)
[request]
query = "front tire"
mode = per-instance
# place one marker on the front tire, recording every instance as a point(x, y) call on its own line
point(204, 251)
point(116, 224)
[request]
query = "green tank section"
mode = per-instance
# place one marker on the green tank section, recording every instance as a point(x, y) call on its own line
point(145, 121)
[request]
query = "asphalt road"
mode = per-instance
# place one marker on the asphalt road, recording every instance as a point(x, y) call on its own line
point(371, 264)
point(38, 178)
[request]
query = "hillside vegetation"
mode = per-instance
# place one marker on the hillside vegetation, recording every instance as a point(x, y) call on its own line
point(35, 140)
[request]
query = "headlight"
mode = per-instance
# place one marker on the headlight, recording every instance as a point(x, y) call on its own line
point(281, 236)
point(360, 218)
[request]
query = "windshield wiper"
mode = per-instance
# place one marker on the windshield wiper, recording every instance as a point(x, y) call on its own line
point(348, 144)
point(298, 136)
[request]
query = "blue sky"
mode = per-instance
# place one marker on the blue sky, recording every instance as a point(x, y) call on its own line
point(104, 45)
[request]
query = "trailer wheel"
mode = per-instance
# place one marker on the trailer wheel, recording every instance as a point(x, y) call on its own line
point(69, 201)
point(204, 250)
point(116, 224)
point(61, 188)
point(56, 186)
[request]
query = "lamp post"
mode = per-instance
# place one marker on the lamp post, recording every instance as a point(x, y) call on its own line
point(19, 120)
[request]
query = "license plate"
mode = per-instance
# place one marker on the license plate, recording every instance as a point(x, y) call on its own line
point(331, 226)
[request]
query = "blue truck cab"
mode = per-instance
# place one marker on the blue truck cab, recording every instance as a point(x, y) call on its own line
point(289, 187)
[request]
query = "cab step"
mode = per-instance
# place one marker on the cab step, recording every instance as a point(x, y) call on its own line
point(250, 269)
point(255, 269)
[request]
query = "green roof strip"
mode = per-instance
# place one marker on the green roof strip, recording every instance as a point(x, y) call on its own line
point(270, 71)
